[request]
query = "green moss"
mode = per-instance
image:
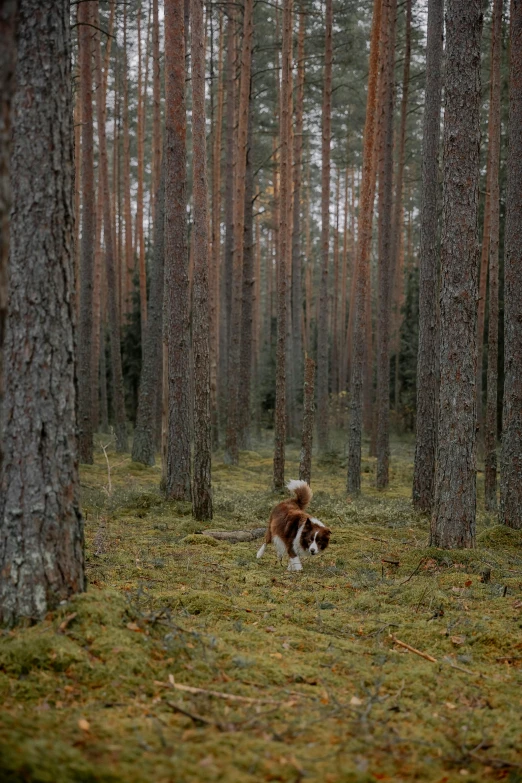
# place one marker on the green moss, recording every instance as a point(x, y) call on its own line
point(500, 537)
point(199, 540)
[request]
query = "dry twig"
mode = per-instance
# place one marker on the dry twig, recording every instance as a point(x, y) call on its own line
point(413, 650)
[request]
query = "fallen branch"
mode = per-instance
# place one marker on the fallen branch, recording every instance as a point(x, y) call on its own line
point(199, 718)
point(413, 650)
point(63, 625)
point(221, 695)
point(235, 536)
point(422, 560)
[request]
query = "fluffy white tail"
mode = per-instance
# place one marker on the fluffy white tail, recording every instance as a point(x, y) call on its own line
point(302, 492)
point(261, 551)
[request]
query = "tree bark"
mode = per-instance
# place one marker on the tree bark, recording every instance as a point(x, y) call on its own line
point(428, 352)
point(232, 432)
point(362, 266)
point(41, 533)
point(322, 325)
point(284, 250)
point(511, 464)
point(85, 324)
point(490, 434)
point(8, 29)
point(118, 395)
point(156, 112)
point(128, 266)
point(386, 257)
point(145, 435)
point(178, 479)
point(140, 132)
point(453, 519)
point(305, 464)
point(202, 484)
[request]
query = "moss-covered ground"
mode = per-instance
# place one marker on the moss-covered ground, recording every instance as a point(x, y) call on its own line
point(89, 694)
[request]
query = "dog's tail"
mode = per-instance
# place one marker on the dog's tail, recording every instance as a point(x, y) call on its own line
point(302, 492)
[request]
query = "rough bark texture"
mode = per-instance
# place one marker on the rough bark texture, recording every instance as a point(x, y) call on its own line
point(41, 527)
point(231, 446)
point(156, 111)
point(128, 266)
point(453, 519)
point(140, 132)
point(511, 464)
point(176, 323)
point(284, 252)
point(428, 353)
point(245, 363)
point(145, 434)
point(322, 325)
point(85, 322)
point(202, 484)
point(305, 463)
point(490, 434)
point(386, 258)
point(297, 290)
point(118, 395)
point(8, 26)
point(362, 269)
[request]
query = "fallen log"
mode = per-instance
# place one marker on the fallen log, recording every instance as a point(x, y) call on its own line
point(236, 536)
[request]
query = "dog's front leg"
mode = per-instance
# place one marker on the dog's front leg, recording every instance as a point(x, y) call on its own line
point(295, 564)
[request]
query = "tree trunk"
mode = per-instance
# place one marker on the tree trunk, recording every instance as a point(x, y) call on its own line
point(156, 112)
point(128, 266)
point(85, 323)
point(284, 250)
point(144, 444)
point(202, 485)
point(492, 377)
point(362, 266)
point(483, 283)
point(453, 520)
point(511, 465)
point(178, 483)
point(334, 310)
point(386, 257)
point(428, 353)
point(8, 25)
point(322, 325)
point(305, 464)
point(140, 132)
point(118, 395)
point(215, 310)
point(41, 539)
point(232, 432)
point(245, 363)
point(297, 264)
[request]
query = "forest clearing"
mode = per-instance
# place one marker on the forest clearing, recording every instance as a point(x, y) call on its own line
point(86, 695)
point(260, 391)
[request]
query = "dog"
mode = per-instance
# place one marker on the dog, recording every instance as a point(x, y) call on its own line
point(292, 531)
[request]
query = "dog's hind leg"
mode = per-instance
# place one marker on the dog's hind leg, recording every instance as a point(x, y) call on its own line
point(261, 551)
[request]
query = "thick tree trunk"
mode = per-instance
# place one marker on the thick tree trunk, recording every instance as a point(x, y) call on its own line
point(362, 270)
point(386, 257)
point(145, 434)
point(305, 464)
point(140, 239)
point(284, 250)
point(245, 363)
point(453, 520)
point(202, 484)
point(118, 395)
point(511, 464)
point(176, 324)
point(322, 325)
point(297, 264)
point(128, 266)
point(85, 324)
point(232, 432)
point(8, 27)
point(428, 353)
point(41, 533)
point(156, 111)
point(490, 434)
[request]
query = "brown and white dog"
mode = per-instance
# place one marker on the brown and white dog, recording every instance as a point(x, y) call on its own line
point(292, 531)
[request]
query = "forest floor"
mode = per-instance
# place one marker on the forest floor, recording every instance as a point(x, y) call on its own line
point(325, 692)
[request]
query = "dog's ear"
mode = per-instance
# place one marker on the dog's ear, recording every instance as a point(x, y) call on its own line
point(307, 524)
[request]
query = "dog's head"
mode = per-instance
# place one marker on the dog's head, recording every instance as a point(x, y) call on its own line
point(315, 536)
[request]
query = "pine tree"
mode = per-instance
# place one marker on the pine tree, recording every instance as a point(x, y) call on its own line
point(41, 526)
point(490, 434)
point(202, 494)
point(511, 459)
point(8, 25)
point(322, 325)
point(178, 474)
point(453, 520)
point(85, 321)
point(427, 362)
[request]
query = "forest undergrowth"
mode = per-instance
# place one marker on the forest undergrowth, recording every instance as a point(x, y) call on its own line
point(319, 687)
